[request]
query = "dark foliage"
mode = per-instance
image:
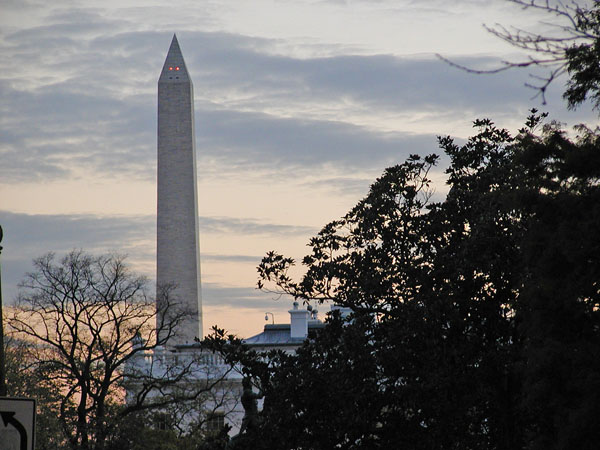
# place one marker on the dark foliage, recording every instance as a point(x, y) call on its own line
point(474, 321)
point(28, 380)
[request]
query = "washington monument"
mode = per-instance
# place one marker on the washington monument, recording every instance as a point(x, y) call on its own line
point(177, 243)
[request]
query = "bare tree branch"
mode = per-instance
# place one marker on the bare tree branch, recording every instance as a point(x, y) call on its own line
point(94, 328)
point(570, 47)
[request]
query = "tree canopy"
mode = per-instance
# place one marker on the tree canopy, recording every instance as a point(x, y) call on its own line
point(475, 320)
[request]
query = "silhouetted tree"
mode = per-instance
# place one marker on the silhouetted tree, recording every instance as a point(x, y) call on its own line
point(150, 430)
point(560, 315)
point(474, 321)
point(89, 323)
point(27, 379)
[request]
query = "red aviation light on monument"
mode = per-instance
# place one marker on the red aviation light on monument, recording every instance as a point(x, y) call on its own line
point(174, 69)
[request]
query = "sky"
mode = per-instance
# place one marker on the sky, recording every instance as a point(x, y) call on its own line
point(300, 105)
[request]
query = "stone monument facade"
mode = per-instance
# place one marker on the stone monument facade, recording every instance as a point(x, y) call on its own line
point(177, 243)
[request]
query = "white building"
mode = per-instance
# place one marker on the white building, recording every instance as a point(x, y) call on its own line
point(220, 403)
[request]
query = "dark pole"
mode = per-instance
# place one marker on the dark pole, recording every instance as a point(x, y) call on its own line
point(3, 392)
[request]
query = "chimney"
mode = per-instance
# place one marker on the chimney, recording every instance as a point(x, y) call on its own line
point(298, 322)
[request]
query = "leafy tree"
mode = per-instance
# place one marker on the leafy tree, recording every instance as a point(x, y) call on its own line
point(27, 379)
point(560, 319)
point(337, 376)
point(467, 330)
point(148, 430)
point(89, 324)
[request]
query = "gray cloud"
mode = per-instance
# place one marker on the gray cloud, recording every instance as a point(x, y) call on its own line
point(53, 131)
point(230, 225)
point(221, 61)
point(357, 187)
point(28, 233)
point(248, 138)
point(94, 107)
point(219, 295)
point(214, 294)
point(231, 258)
point(27, 236)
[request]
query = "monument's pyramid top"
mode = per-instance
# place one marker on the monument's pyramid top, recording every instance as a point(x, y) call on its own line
point(174, 69)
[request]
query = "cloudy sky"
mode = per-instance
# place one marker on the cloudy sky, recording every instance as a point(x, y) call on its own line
point(300, 105)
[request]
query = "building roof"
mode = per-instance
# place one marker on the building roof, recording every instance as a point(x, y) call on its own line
point(278, 335)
